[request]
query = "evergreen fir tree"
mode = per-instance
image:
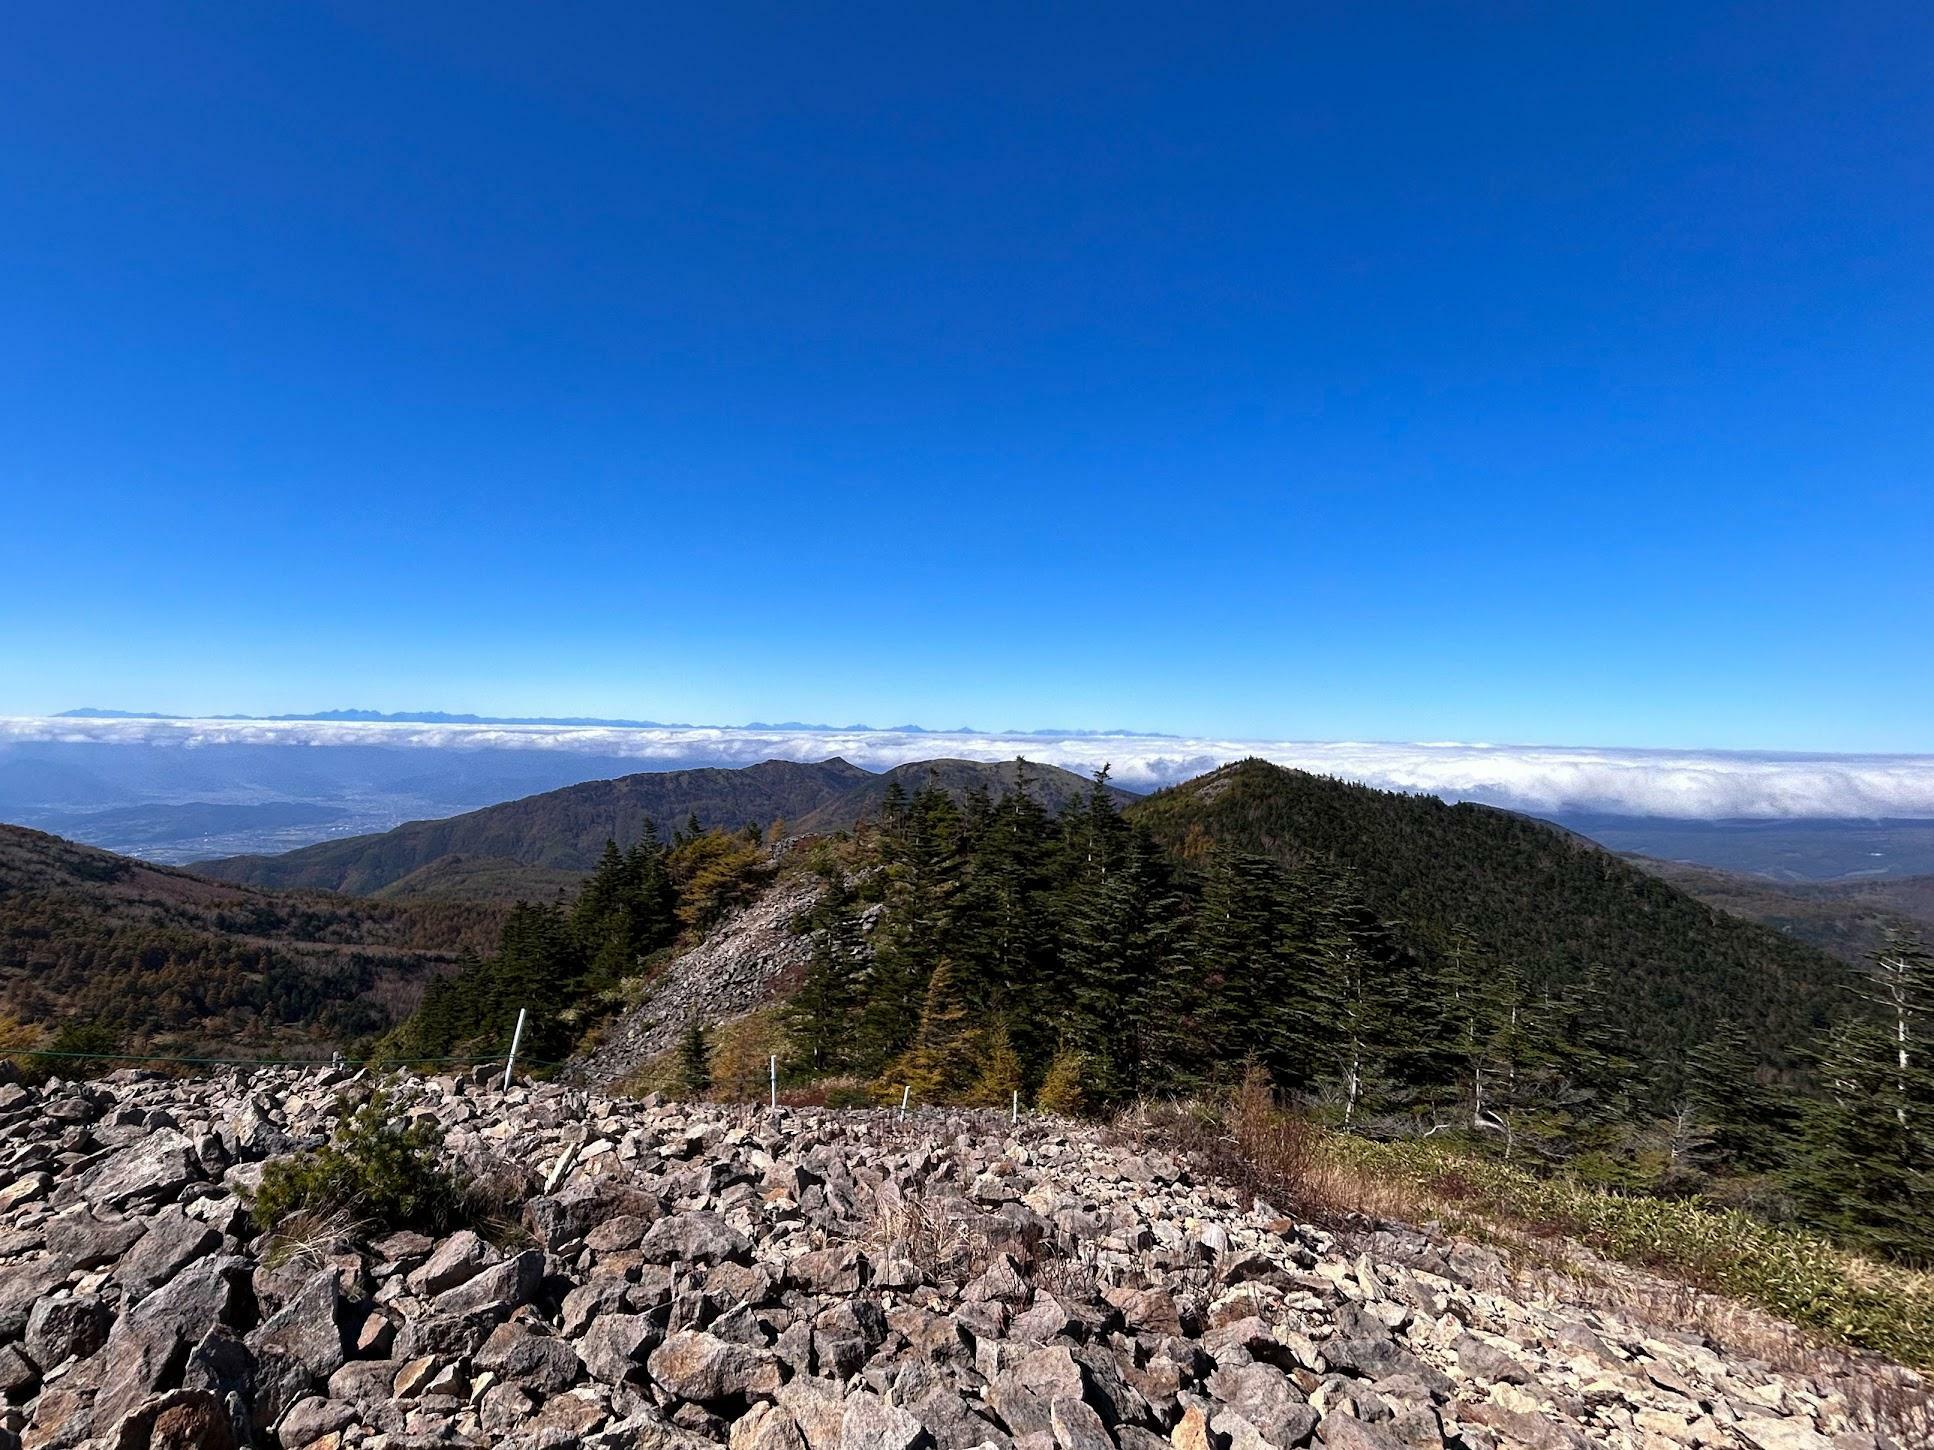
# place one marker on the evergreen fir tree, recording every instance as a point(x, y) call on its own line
point(1868, 1167)
point(1598, 1058)
point(1740, 1122)
point(695, 1061)
point(919, 881)
point(821, 1015)
point(1240, 1005)
point(1121, 927)
point(1514, 1079)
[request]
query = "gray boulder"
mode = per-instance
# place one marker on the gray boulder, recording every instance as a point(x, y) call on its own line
point(695, 1238)
point(498, 1289)
point(173, 1240)
point(154, 1171)
point(298, 1348)
point(72, 1326)
point(537, 1362)
point(615, 1347)
point(147, 1348)
point(703, 1368)
point(457, 1260)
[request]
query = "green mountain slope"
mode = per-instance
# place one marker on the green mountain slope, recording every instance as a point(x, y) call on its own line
point(530, 847)
point(560, 830)
point(482, 878)
point(155, 954)
point(1052, 786)
point(1551, 901)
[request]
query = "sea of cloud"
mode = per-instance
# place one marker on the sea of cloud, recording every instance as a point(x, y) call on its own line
point(1546, 779)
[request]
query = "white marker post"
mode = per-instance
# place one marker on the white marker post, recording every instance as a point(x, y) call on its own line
point(775, 1082)
point(1014, 1113)
point(516, 1040)
point(906, 1092)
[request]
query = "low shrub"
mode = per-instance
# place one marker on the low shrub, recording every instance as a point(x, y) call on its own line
point(373, 1172)
point(17, 1041)
point(76, 1050)
point(830, 1092)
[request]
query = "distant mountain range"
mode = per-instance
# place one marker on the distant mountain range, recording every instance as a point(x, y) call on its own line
point(443, 717)
point(565, 830)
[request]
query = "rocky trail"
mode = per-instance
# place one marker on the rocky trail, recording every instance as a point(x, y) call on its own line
point(690, 1275)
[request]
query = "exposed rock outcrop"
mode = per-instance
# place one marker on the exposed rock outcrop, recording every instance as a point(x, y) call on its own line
point(699, 1275)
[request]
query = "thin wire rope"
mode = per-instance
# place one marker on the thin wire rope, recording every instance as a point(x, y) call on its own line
point(268, 1061)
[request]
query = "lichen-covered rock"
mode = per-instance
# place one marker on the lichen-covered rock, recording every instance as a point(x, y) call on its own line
point(297, 1349)
point(703, 1368)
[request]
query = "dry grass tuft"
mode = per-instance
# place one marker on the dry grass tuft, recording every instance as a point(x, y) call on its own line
point(946, 1239)
point(310, 1238)
point(952, 1241)
point(1276, 1156)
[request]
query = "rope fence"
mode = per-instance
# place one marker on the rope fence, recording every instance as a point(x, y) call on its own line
point(495, 1057)
point(26, 1055)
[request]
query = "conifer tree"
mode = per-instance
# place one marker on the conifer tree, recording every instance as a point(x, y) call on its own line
point(893, 808)
point(1239, 991)
point(602, 899)
point(1120, 952)
point(1003, 938)
point(1061, 1089)
point(919, 879)
point(1000, 1069)
point(653, 898)
point(1868, 1167)
point(1739, 1122)
point(695, 1061)
point(821, 1015)
point(1514, 1082)
point(1599, 1048)
point(939, 1064)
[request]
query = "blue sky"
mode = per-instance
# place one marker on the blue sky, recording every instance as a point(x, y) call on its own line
point(1433, 372)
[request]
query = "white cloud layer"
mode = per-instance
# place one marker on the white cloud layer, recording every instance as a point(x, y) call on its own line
point(1544, 779)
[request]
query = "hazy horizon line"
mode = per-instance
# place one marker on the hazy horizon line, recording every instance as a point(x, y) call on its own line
point(1680, 784)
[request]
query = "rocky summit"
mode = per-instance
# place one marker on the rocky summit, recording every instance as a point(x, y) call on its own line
point(671, 1275)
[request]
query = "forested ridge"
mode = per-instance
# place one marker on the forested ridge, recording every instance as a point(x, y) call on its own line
point(145, 958)
point(564, 830)
point(1552, 903)
point(965, 949)
point(560, 963)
